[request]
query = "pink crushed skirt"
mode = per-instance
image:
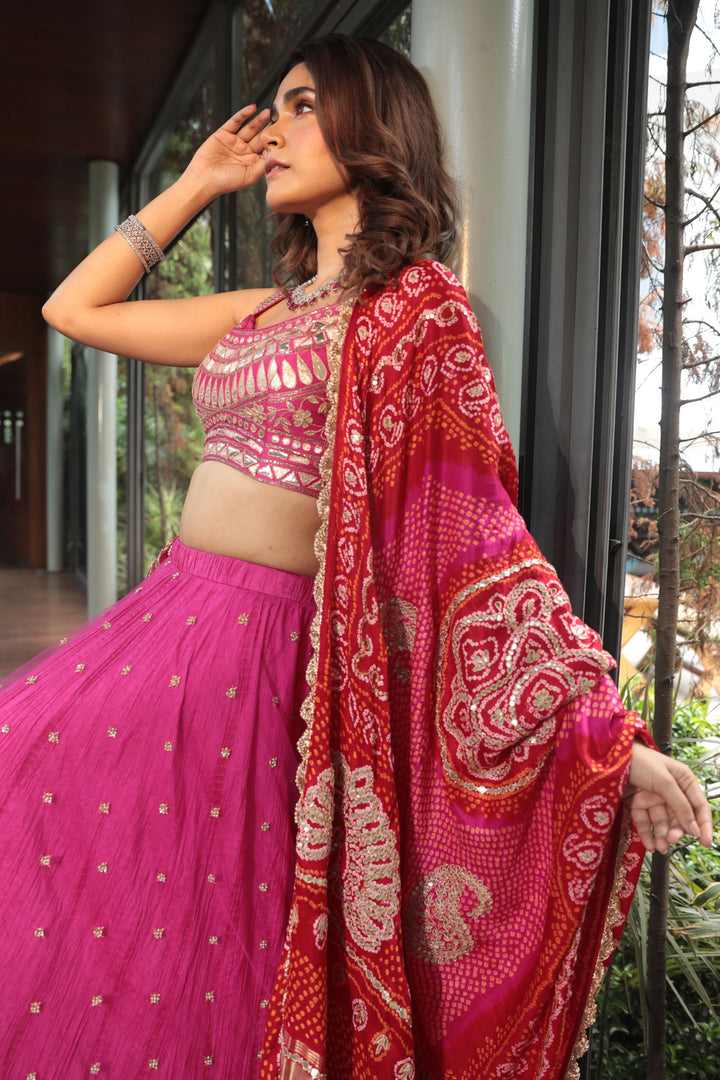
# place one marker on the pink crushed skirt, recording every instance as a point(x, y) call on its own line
point(147, 787)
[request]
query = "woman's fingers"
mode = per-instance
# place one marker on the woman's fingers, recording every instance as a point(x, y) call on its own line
point(666, 800)
point(247, 124)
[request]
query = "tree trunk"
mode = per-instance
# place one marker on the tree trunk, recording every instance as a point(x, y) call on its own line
point(681, 17)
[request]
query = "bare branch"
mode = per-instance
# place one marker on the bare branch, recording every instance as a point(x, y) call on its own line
point(688, 482)
point(701, 247)
point(700, 363)
point(651, 262)
point(703, 322)
point(707, 82)
point(660, 205)
point(701, 123)
point(701, 30)
point(707, 202)
point(705, 435)
point(703, 397)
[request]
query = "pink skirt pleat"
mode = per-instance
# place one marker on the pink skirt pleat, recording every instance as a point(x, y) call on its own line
point(147, 787)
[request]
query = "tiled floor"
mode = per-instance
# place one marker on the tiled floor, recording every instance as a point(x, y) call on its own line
point(36, 608)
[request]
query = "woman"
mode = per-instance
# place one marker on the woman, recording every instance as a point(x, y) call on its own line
point(463, 756)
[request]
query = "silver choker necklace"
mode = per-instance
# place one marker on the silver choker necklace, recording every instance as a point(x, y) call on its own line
point(297, 298)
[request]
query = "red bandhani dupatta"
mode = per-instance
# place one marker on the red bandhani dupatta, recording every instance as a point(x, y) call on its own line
point(463, 870)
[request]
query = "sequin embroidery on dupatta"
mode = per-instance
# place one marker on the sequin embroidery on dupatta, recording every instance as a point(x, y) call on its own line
point(451, 676)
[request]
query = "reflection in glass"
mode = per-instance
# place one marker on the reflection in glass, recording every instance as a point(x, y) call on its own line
point(173, 436)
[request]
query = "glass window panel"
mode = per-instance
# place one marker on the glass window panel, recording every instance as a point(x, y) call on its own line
point(268, 30)
point(173, 436)
point(397, 34)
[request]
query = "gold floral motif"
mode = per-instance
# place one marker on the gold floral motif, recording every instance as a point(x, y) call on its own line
point(273, 762)
point(147, 616)
point(209, 995)
point(225, 752)
point(315, 834)
point(154, 1063)
point(213, 939)
point(126, 669)
point(154, 999)
point(174, 680)
point(265, 826)
point(438, 912)
point(164, 808)
point(242, 619)
point(517, 660)
point(97, 999)
point(47, 796)
point(95, 1068)
point(192, 619)
point(98, 931)
point(5, 729)
point(104, 808)
point(35, 1006)
point(371, 872)
point(211, 879)
point(231, 691)
point(158, 932)
point(39, 931)
point(102, 868)
point(45, 860)
point(80, 668)
point(54, 737)
point(161, 877)
point(31, 680)
point(207, 1060)
point(112, 732)
point(215, 811)
point(168, 746)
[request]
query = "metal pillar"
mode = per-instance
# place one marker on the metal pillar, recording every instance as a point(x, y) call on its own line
point(477, 58)
point(101, 413)
point(54, 451)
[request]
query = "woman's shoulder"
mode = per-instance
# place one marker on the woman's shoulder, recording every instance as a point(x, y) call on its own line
point(249, 302)
point(428, 277)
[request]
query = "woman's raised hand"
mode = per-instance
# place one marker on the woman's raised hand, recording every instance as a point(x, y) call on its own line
point(230, 158)
point(665, 800)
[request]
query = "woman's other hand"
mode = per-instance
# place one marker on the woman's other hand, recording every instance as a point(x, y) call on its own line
point(665, 800)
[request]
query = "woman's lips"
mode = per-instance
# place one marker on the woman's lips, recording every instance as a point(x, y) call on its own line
point(272, 167)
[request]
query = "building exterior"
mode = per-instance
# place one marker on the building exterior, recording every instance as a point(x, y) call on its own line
point(543, 105)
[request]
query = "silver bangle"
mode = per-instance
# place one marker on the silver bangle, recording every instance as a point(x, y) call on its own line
point(140, 240)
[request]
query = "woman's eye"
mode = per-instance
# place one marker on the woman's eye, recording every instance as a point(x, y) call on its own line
point(304, 106)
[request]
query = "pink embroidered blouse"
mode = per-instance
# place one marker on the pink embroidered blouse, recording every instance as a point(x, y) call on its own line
point(260, 395)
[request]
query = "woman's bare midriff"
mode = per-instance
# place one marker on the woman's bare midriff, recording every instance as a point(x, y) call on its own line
point(226, 512)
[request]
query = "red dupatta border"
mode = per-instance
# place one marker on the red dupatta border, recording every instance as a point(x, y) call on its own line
point(462, 871)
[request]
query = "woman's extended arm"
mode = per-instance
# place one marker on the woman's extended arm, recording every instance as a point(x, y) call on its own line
point(89, 305)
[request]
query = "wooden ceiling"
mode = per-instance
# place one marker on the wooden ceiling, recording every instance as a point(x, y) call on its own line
point(80, 81)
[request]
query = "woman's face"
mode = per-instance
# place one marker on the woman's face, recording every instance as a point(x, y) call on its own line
point(302, 175)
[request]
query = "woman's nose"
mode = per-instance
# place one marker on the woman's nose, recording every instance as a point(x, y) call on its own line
point(271, 135)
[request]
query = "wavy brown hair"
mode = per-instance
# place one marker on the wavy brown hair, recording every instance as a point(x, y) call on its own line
point(379, 122)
